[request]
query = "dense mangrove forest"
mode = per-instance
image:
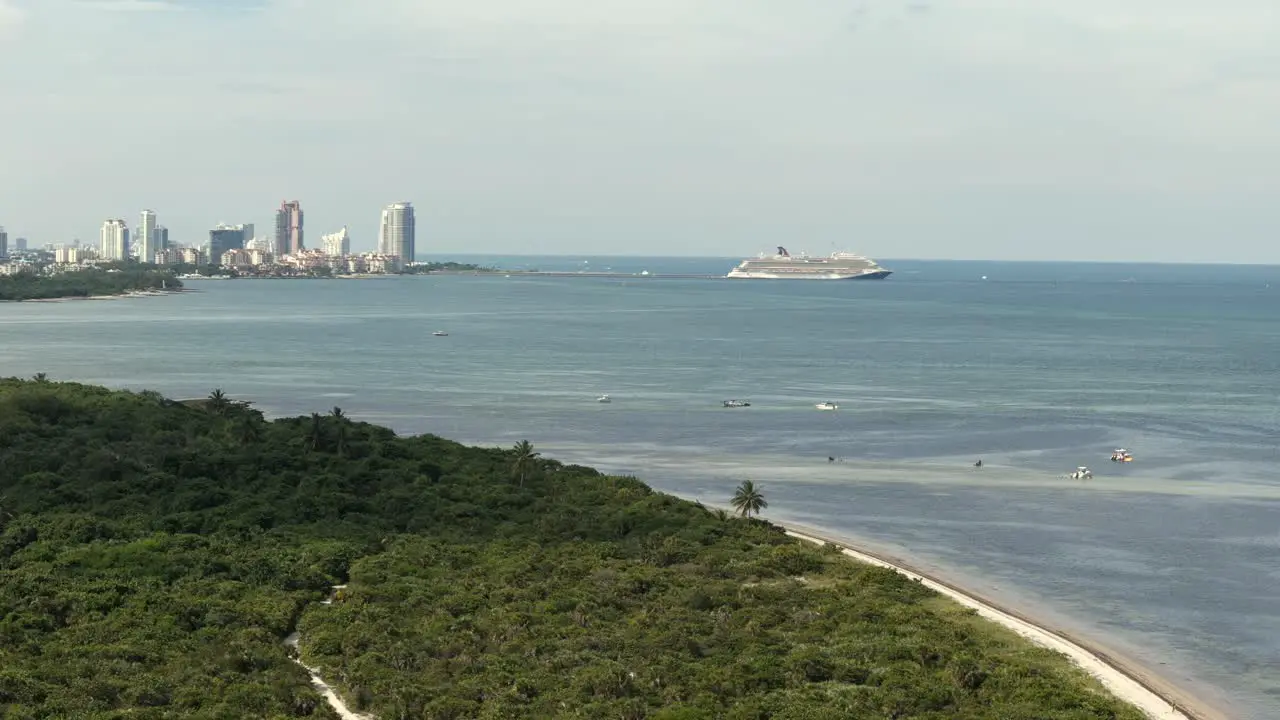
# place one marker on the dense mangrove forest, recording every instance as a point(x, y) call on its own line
point(91, 282)
point(155, 554)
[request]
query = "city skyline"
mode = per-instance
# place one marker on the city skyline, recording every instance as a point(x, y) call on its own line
point(288, 226)
point(999, 130)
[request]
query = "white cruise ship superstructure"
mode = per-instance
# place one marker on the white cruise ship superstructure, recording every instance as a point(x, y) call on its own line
point(785, 266)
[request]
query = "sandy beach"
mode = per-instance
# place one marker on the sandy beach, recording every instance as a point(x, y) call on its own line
point(121, 296)
point(1156, 697)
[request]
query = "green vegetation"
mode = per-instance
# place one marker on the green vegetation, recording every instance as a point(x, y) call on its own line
point(448, 267)
point(154, 555)
point(109, 280)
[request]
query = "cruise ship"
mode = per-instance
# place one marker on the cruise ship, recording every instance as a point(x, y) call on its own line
point(785, 266)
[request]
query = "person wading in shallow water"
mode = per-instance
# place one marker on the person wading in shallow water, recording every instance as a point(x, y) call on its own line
point(979, 463)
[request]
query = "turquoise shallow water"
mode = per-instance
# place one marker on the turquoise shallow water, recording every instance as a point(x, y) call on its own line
point(1175, 559)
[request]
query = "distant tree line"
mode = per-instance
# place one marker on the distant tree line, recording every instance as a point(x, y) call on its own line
point(113, 279)
point(431, 267)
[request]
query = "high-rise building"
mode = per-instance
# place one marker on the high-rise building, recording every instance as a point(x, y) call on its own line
point(223, 238)
point(4, 243)
point(289, 228)
point(115, 240)
point(396, 235)
point(338, 243)
point(146, 237)
point(20, 245)
point(162, 238)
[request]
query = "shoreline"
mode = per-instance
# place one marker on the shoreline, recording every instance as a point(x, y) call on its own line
point(118, 296)
point(1127, 680)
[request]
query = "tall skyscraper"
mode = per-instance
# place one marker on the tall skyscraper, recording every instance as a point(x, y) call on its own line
point(115, 240)
point(4, 243)
point(146, 237)
point(396, 236)
point(338, 243)
point(20, 245)
point(223, 238)
point(289, 228)
point(162, 238)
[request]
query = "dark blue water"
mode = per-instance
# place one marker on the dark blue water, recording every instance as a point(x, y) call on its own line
point(1174, 559)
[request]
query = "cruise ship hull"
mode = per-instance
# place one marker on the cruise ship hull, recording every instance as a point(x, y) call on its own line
point(755, 275)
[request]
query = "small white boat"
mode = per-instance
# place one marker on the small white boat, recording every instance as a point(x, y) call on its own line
point(604, 399)
point(827, 406)
point(440, 333)
point(1081, 473)
point(736, 403)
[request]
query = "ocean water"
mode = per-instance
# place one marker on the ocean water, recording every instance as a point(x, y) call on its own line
point(1173, 560)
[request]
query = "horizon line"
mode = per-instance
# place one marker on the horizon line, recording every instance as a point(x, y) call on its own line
point(885, 259)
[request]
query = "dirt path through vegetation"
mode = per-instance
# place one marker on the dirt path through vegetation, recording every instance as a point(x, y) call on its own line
point(318, 682)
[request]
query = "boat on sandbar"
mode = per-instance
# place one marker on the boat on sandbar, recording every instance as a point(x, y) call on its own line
point(1121, 455)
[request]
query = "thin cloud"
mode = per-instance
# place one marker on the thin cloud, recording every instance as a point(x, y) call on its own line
point(11, 17)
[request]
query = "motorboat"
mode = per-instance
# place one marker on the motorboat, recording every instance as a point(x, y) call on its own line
point(736, 403)
point(440, 333)
point(827, 406)
point(604, 399)
point(1121, 455)
point(1081, 473)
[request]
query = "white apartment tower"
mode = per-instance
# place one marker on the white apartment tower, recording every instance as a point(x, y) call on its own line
point(146, 238)
point(396, 236)
point(338, 243)
point(115, 240)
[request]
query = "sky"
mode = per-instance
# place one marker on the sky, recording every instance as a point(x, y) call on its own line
point(978, 129)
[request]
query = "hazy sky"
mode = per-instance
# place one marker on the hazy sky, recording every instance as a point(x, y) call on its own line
point(1089, 129)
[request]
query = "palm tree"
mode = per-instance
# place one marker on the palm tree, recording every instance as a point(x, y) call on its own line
point(218, 402)
point(248, 431)
point(526, 458)
point(317, 432)
point(748, 500)
point(342, 429)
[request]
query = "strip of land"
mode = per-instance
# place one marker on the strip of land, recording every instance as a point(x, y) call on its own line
point(1150, 694)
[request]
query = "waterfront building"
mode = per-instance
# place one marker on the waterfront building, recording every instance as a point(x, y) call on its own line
point(382, 263)
point(73, 255)
point(243, 258)
point(162, 238)
point(4, 243)
point(115, 240)
point(338, 243)
point(288, 229)
point(223, 238)
point(146, 237)
point(396, 234)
